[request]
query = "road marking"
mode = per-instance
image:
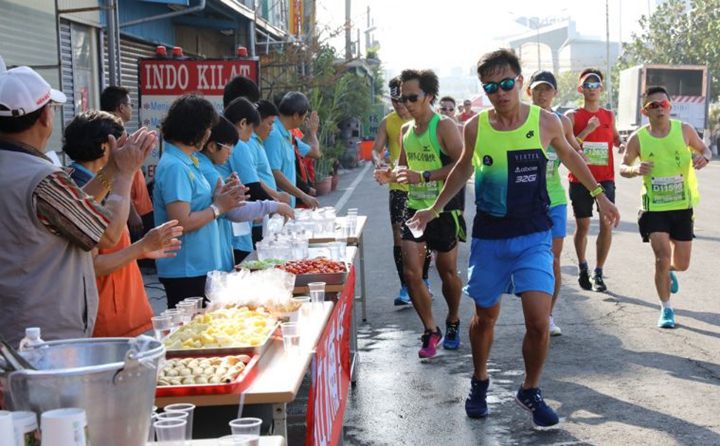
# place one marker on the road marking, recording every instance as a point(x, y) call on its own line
point(349, 191)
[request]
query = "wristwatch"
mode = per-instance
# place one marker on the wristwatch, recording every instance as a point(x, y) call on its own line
point(426, 176)
point(216, 210)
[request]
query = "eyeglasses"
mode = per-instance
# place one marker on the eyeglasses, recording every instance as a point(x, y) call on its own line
point(447, 109)
point(657, 104)
point(225, 145)
point(506, 84)
point(592, 85)
point(411, 98)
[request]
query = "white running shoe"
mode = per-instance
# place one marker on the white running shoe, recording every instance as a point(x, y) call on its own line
point(554, 329)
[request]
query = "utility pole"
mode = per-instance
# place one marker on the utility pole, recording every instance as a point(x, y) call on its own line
point(348, 31)
point(608, 80)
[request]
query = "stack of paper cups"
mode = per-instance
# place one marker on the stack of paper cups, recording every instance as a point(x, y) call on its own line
point(25, 428)
point(7, 435)
point(64, 427)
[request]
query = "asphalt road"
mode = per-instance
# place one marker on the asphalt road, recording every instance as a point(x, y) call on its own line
point(613, 376)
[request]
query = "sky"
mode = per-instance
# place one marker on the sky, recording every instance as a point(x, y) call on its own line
point(455, 33)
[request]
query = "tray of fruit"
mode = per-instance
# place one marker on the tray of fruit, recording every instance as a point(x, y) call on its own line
point(316, 270)
point(223, 332)
point(206, 375)
point(255, 265)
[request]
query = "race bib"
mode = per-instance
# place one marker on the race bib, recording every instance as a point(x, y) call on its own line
point(424, 191)
point(668, 189)
point(551, 165)
point(597, 153)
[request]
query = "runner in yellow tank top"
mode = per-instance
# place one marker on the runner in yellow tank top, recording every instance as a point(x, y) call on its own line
point(389, 134)
point(669, 151)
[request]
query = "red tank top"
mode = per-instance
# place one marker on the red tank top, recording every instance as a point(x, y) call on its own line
point(598, 146)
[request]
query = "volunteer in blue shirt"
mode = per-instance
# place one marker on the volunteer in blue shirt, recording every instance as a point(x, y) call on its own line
point(182, 193)
point(293, 109)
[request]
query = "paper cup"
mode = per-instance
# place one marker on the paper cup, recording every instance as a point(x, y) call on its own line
point(64, 427)
point(25, 429)
point(7, 434)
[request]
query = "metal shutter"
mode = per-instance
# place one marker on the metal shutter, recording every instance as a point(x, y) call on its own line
point(67, 82)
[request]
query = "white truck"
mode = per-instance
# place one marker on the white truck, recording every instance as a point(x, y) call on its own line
point(688, 85)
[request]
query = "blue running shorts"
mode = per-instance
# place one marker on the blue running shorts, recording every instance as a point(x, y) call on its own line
point(526, 260)
point(558, 215)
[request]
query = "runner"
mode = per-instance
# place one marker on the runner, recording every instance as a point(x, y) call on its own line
point(447, 108)
point(668, 152)
point(389, 134)
point(594, 128)
point(543, 90)
point(511, 233)
point(468, 112)
point(431, 146)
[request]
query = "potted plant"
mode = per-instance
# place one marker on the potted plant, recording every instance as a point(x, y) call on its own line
point(323, 178)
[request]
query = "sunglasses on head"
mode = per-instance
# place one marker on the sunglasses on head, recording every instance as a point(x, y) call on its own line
point(411, 98)
point(657, 104)
point(592, 85)
point(506, 84)
point(447, 109)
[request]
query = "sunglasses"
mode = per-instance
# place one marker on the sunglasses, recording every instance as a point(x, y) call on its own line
point(506, 84)
point(656, 104)
point(411, 98)
point(447, 109)
point(592, 85)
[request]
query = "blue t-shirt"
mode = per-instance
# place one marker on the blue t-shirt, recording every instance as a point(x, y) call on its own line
point(281, 154)
point(224, 226)
point(178, 178)
point(240, 162)
point(262, 165)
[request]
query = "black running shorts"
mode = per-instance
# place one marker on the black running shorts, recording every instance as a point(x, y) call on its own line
point(441, 234)
point(679, 224)
point(398, 207)
point(582, 202)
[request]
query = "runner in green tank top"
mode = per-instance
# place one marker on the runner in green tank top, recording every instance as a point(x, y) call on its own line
point(431, 146)
point(543, 90)
point(505, 148)
point(669, 151)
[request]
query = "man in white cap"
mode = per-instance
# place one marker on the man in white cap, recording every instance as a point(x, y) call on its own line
point(49, 226)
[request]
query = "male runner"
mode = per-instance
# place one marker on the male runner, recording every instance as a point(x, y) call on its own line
point(468, 112)
point(594, 128)
point(542, 90)
point(388, 133)
point(511, 233)
point(668, 152)
point(430, 146)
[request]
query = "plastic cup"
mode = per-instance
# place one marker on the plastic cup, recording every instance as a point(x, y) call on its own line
point(237, 440)
point(247, 430)
point(64, 427)
point(171, 432)
point(291, 338)
point(416, 232)
point(151, 429)
point(175, 317)
point(317, 292)
point(162, 325)
point(7, 434)
point(25, 428)
point(352, 211)
point(187, 408)
point(188, 311)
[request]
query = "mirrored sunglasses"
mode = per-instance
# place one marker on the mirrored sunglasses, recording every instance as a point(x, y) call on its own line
point(506, 84)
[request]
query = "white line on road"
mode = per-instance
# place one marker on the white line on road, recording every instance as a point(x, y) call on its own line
point(349, 191)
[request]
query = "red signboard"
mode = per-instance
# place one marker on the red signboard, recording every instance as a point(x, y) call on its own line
point(331, 373)
point(177, 77)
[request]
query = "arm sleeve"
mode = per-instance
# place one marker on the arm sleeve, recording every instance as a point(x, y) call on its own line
point(69, 212)
point(251, 211)
point(177, 182)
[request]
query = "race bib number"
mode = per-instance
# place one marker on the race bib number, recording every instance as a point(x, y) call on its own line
point(551, 165)
point(424, 191)
point(597, 153)
point(668, 189)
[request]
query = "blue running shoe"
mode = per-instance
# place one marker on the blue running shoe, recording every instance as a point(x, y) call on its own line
point(667, 318)
point(427, 284)
point(476, 402)
point(403, 298)
point(452, 335)
point(532, 401)
point(674, 285)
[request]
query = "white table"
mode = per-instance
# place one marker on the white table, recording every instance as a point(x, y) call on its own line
point(264, 441)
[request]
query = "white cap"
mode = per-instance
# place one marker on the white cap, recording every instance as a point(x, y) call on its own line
point(23, 91)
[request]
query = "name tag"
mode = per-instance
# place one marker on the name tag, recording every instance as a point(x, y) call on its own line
point(597, 153)
point(240, 229)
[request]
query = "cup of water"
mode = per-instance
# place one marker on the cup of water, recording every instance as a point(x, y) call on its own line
point(317, 292)
point(162, 325)
point(291, 337)
point(414, 229)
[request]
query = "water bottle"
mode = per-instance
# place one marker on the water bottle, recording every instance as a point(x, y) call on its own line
point(31, 339)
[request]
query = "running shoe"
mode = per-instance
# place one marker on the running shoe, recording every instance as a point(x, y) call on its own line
point(584, 279)
point(554, 329)
point(430, 341)
point(403, 298)
point(532, 401)
point(427, 284)
point(452, 337)
point(476, 402)
point(674, 285)
point(667, 318)
point(598, 282)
